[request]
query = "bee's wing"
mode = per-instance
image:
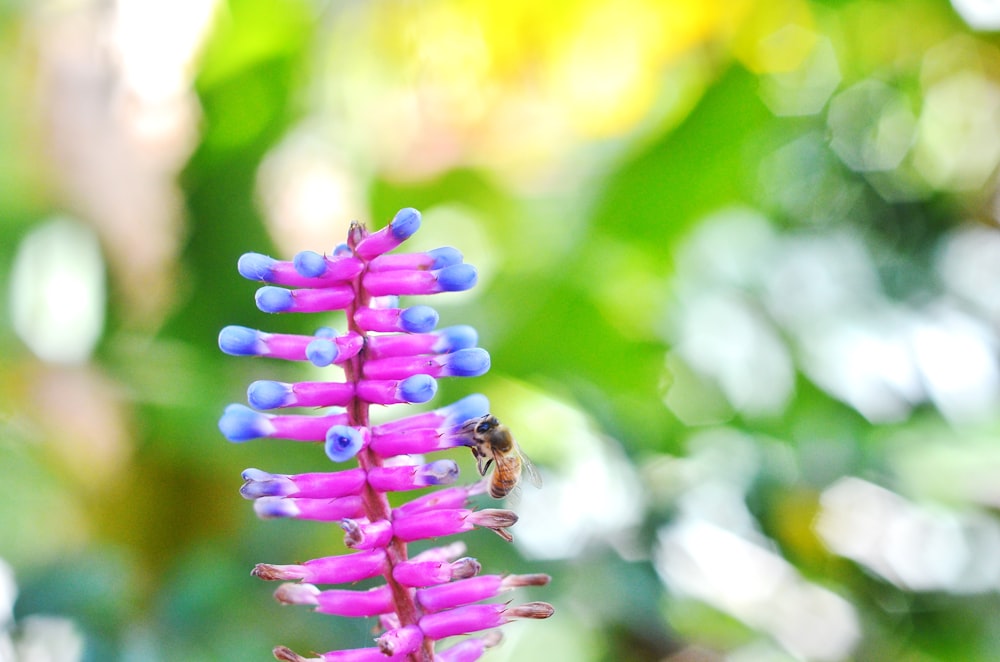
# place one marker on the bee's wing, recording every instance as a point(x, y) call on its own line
point(529, 468)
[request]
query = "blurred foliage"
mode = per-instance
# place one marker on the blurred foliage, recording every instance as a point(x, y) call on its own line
point(740, 274)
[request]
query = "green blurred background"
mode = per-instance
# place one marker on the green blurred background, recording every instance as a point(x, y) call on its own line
point(739, 278)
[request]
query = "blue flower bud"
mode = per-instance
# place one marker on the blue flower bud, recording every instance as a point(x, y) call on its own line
point(240, 423)
point(342, 443)
point(266, 394)
point(309, 264)
point(405, 223)
point(321, 352)
point(454, 338)
point(471, 406)
point(325, 332)
point(418, 319)
point(445, 257)
point(470, 362)
point(254, 266)
point(457, 277)
point(275, 507)
point(418, 388)
point(241, 341)
point(263, 484)
point(272, 299)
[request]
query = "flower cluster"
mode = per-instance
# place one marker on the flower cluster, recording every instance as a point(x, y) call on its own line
point(388, 355)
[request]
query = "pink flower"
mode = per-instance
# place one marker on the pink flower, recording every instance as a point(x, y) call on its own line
point(389, 355)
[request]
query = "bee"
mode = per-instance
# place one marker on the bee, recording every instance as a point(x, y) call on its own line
point(492, 443)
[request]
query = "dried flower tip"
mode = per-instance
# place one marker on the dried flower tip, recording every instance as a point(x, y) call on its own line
point(271, 573)
point(400, 641)
point(493, 518)
point(284, 654)
point(465, 567)
point(517, 581)
point(536, 610)
point(366, 535)
point(344, 569)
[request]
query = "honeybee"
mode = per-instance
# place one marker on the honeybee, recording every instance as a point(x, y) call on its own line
point(492, 443)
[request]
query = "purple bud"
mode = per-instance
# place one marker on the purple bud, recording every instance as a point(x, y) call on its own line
point(355, 604)
point(309, 485)
point(267, 394)
point(319, 510)
point(401, 228)
point(471, 362)
point(240, 423)
point(416, 319)
point(405, 223)
point(317, 270)
point(261, 484)
point(343, 442)
point(454, 278)
point(471, 406)
point(347, 568)
point(470, 649)
point(450, 498)
point(417, 389)
point(309, 264)
point(402, 478)
point(445, 256)
point(463, 620)
point(457, 593)
point(457, 278)
point(453, 338)
point(321, 352)
point(428, 573)
point(254, 266)
point(241, 341)
point(272, 299)
point(344, 569)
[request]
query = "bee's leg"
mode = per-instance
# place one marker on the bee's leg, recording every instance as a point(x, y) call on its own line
point(480, 457)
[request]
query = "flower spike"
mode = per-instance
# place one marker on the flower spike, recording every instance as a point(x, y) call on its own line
point(388, 355)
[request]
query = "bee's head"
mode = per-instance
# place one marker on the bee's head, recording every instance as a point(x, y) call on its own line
point(486, 424)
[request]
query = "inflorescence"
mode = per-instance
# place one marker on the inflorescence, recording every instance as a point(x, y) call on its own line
point(388, 355)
